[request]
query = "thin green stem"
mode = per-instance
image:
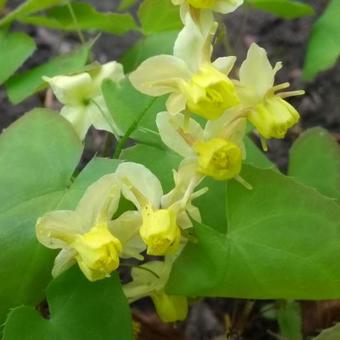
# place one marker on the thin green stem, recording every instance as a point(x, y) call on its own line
point(130, 130)
point(75, 20)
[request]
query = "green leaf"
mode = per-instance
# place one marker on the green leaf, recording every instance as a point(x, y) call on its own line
point(87, 19)
point(255, 156)
point(15, 49)
point(158, 16)
point(289, 318)
point(159, 43)
point(287, 9)
point(332, 333)
point(125, 4)
point(23, 85)
point(38, 155)
point(324, 43)
point(29, 7)
point(128, 106)
point(79, 310)
point(2, 4)
point(282, 242)
point(315, 161)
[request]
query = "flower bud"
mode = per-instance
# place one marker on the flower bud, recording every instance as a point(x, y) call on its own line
point(218, 158)
point(160, 231)
point(170, 308)
point(97, 252)
point(209, 93)
point(273, 117)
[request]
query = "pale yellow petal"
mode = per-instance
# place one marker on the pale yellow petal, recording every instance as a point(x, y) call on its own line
point(100, 201)
point(64, 260)
point(160, 75)
point(126, 229)
point(227, 6)
point(193, 43)
point(172, 133)
point(111, 70)
point(137, 180)
point(224, 64)
point(176, 103)
point(71, 90)
point(57, 229)
point(256, 72)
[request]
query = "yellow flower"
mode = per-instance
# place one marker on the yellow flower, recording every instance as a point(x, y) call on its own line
point(87, 235)
point(209, 93)
point(97, 252)
point(273, 117)
point(218, 158)
point(150, 280)
point(161, 222)
point(267, 110)
point(159, 230)
point(84, 104)
point(216, 151)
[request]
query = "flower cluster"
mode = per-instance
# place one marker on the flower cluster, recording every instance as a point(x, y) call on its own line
point(204, 121)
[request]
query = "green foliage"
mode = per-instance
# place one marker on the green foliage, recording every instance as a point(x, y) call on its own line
point(23, 85)
point(159, 43)
point(87, 18)
point(332, 333)
point(324, 43)
point(15, 49)
point(287, 9)
point(29, 7)
point(315, 161)
point(126, 4)
point(280, 243)
point(80, 310)
point(130, 108)
point(38, 156)
point(158, 16)
point(289, 318)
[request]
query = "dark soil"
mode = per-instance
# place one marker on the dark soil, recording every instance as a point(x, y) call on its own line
point(285, 41)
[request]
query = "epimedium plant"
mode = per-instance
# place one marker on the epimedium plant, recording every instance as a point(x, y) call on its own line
point(196, 205)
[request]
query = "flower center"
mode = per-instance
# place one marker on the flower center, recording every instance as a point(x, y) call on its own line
point(218, 158)
point(209, 93)
point(97, 252)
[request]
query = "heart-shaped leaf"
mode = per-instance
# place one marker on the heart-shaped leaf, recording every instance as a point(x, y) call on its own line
point(79, 310)
point(281, 242)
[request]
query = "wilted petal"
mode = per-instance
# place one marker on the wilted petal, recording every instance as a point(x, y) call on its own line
point(173, 135)
point(57, 229)
point(160, 75)
point(71, 90)
point(136, 181)
point(100, 201)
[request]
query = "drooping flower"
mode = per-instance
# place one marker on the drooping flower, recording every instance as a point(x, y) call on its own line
point(194, 83)
point(86, 235)
point(149, 280)
point(216, 151)
point(81, 94)
point(161, 224)
point(267, 109)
